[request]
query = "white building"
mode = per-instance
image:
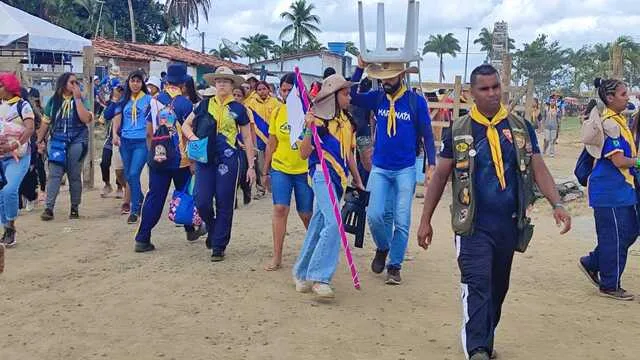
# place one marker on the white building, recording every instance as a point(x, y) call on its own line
point(311, 65)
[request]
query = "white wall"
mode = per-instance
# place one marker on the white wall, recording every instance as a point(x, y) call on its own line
point(157, 66)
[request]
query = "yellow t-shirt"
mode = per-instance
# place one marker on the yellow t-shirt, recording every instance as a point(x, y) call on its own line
point(286, 158)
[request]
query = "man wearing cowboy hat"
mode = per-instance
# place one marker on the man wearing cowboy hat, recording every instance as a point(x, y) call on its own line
point(160, 179)
point(401, 118)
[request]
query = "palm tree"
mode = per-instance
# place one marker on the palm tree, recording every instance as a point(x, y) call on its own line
point(442, 45)
point(257, 46)
point(133, 24)
point(485, 39)
point(173, 37)
point(352, 49)
point(313, 45)
point(187, 11)
point(282, 50)
point(302, 22)
point(224, 53)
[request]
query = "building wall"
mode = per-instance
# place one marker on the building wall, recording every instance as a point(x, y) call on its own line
point(126, 66)
point(312, 65)
point(158, 65)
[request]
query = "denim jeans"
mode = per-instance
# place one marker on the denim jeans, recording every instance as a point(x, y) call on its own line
point(73, 167)
point(389, 210)
point(318, 258)
point(134, 157)
point(14, 172)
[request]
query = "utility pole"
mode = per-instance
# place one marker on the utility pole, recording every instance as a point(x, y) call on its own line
point(202, 38)
point(466, 56)
point(95, 35)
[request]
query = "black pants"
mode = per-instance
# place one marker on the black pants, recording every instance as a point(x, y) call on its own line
point(36, 175)
point(242, 174)
point(105, 166)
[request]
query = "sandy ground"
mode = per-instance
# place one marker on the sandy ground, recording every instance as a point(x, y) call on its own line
point(76, 290)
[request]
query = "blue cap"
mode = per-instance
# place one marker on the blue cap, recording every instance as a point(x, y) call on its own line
point(176, 73)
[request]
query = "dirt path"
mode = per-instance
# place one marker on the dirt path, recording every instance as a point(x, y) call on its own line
point(76, 290)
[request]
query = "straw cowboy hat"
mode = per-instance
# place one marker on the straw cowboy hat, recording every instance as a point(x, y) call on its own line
point(389, 70)
point(208, 92)
point(251, 76)
point(114, 71)
point(593, 131)
point(223, 72)
point(324, 105)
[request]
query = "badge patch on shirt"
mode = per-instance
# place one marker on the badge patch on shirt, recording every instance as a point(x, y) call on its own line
point(462, 147)
point(507, 134)
point(464, 197)
point(616, 143)
point(520, 140)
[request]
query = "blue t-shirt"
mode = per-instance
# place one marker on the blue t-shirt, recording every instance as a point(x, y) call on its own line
point(491, 201)
point(399, 151)
point(610, 186)
point(135, 128)
point(109, 113)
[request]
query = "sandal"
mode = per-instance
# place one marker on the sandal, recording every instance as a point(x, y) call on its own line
point(272, 267)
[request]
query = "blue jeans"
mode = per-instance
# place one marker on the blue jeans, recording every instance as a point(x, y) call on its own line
point(134, 157)
point(389, 210)
point(318, 258)
point(283, 184)
point(14, 172)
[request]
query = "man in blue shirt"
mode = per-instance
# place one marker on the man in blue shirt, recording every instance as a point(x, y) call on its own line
point(489, 181)
point(401, 117)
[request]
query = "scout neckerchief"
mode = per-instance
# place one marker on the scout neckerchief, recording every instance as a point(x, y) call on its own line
point(343, 133)
point(134, 107)
point(391, 123)
point(173, 90)
point(13, 100)
point(493, 138)
point(624, 128)
point(67, 106)
point(218, 107)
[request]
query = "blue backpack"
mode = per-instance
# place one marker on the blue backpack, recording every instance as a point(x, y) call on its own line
point(584, 167)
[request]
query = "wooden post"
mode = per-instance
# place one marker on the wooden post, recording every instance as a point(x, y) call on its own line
point(457, 92)
point(528, 110)
point(617, 62)
point(89, 69)
point(506, 78)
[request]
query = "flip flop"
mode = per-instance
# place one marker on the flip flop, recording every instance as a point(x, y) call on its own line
point(272, 267)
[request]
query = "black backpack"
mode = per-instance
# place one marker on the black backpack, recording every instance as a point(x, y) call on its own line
point(165, 143)
point(205, 126)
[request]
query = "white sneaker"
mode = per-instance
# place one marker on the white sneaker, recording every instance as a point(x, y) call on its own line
point(323, 291)
point(303, 286)
point(28, 206)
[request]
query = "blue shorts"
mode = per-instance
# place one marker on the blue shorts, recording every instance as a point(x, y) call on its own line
point(283, 184)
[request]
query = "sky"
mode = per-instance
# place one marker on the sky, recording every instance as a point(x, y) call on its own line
point(573, 23)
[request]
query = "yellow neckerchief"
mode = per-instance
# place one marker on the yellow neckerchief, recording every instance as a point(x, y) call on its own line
point(493, 138)
point(624, 128)
point(340, 127)
point(391, 122)
point(67, 106)
point(173, 90)
point(218, 107)
point(13, 100)
point(134, 107)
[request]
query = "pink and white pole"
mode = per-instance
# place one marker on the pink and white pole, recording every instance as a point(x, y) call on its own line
point(327, 178)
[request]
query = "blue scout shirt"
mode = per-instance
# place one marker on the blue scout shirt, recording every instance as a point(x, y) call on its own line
point(491, 201)
point(109, 113)
point(228, 132)
point(399, 151)
point(135, 128)
point(66, 124)
point(610, 186)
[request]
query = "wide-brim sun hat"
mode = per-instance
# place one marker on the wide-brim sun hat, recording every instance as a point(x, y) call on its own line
point(208, 92)
point(223, 72)
point(155, 81)
point(114, 71)
point(251, 76)
point(389, 70)
point(324, 105)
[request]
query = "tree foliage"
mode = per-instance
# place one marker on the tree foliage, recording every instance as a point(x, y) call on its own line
point(442, 45)
point(303, 24)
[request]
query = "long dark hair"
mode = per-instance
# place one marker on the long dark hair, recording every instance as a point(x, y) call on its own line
point(61, 85)
point(190, 86)
point(127, 87)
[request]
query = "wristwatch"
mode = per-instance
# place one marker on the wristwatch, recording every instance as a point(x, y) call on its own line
point(557, 206)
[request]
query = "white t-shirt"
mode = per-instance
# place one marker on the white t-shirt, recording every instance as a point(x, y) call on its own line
point(12, 124)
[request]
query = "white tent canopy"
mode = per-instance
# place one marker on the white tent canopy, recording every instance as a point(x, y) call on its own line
point(42, 35)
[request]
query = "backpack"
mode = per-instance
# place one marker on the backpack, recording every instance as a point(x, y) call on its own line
point(584, 167)
point(165, 143)
point(413, 109)
point(206, 127)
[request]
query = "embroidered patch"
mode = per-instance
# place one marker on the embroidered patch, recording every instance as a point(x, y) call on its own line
point(507, 134)
point(223, 169)
point(520, 140)
point(462, 147)
point(464, 197)
point(473, 152)
point(616, 143)
point(228, 153)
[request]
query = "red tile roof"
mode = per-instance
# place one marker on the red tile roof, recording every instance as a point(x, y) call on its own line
point(139, 51)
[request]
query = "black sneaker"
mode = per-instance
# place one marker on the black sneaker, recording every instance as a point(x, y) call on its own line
point(379, 261)
point(480, 355)
point(144, 247)
point(217, 256)
point(393, 277)
point(133, 219)
point(47, 215)
point(197, 234)
point(619, 294)
point(9, 237)
point(591, 275)
point(74, 214)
